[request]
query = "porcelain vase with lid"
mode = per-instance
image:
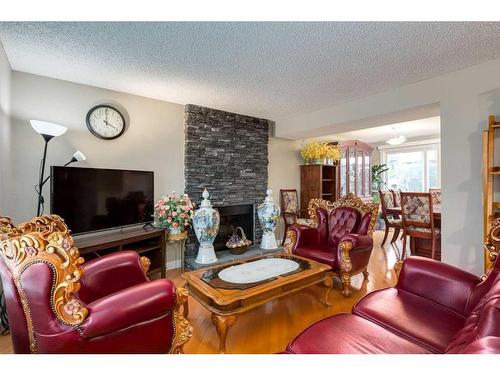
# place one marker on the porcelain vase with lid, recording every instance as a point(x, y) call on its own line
point(268, 213)
point(206, 226)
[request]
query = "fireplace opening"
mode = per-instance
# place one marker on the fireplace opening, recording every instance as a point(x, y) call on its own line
point(231, 217)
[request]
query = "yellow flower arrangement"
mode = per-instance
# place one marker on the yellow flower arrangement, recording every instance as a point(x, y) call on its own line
point(320, 151)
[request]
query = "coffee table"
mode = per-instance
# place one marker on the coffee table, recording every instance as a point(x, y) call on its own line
point(230, 289)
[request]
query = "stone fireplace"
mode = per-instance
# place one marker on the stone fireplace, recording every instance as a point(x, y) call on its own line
point(226, 153)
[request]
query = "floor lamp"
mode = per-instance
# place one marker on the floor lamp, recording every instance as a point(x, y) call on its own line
point(48, 131)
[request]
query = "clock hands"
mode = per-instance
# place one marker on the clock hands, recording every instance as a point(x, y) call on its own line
point(107, 123)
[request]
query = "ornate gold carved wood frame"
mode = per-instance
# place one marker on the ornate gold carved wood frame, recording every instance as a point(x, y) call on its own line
point(350, 200)
point(492, 244)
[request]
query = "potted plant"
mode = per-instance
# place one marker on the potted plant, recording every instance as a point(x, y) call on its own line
point(320, 153)
point(175, 213)
point(377, 183)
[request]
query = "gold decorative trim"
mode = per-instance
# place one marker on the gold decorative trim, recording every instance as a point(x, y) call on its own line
point(345, 267)
point(183, 330)
point(145, 264)
point(492, 244)
point(290, 241)
point(46, 239)
point(7, 228)
point(350, 200)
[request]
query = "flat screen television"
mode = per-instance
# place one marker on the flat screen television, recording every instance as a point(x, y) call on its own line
point(93, 199)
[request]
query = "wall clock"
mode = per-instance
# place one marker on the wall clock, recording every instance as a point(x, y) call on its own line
point(105, 122)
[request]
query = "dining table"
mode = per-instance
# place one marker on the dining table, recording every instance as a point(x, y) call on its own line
point(422, 246)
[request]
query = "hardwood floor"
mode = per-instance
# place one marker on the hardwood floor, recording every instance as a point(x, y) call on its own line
point(268, 328)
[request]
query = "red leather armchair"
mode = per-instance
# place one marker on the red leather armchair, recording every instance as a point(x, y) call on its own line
point(434, 308)
point(57, 304)
point(342, 237)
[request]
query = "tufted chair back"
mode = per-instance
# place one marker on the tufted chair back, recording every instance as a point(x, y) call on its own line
point(322, 225)
point(349, 214)
point(332, 225)
point(342, 221)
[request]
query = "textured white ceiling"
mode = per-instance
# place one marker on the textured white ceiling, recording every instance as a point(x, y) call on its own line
point(424, 128)
point(270, 70)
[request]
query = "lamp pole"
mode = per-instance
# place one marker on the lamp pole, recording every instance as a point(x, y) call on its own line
point(47, 138)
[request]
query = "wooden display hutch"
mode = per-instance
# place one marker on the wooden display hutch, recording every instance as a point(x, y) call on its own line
point(146, 242)
point(318, 181)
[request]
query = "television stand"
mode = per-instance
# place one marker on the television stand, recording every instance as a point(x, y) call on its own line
point(148, 242)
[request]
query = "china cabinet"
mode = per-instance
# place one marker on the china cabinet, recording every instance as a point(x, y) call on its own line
point(355, 169)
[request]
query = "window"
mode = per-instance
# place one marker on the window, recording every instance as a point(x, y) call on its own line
point(412, 167)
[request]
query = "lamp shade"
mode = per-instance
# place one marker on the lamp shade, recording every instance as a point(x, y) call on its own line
point(79, 156)
point(48, 128)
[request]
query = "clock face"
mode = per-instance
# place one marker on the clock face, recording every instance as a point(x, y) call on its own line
point(105, 122)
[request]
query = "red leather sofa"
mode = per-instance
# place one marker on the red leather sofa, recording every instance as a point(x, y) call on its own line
point(56, 304)
point(341, 238)
point(434, 308)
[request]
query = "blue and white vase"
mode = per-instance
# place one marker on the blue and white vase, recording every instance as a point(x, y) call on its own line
point(206, 226)
point(268, 213)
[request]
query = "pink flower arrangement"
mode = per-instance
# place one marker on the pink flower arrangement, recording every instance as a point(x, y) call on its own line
point(175, 211)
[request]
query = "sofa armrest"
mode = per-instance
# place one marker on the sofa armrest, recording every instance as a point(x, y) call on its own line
point(438, 282)
point(110, 274)
point(304, 236)
point(130, 307)
point(359, 242)
point(353, 253)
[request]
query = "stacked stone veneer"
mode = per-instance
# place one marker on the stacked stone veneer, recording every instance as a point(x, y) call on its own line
point(226, 153)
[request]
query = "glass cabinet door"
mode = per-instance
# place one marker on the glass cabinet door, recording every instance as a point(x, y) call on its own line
point(359, 174)
point(352, 170)
point(368, 173)
point(343, 176)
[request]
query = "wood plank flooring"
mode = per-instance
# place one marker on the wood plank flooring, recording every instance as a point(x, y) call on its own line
point(268, 328)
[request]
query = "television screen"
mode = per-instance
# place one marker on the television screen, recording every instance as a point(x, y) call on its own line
point(91, 199)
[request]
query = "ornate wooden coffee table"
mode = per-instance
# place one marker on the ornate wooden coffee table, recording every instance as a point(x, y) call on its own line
point(227, 290)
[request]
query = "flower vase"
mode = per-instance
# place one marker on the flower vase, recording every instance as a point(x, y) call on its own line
point(206, 226)
point(175, 230)
point(268, 213)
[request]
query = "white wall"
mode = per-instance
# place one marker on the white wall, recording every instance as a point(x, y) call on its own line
point(466, 98)
point(153, 141)
point(283, 169)
point(5, 92)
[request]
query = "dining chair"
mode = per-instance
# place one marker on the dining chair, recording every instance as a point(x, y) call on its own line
point(418, 220)
point(289, 201)
point(390, 220)
point(436, 196)
point(396, 193)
